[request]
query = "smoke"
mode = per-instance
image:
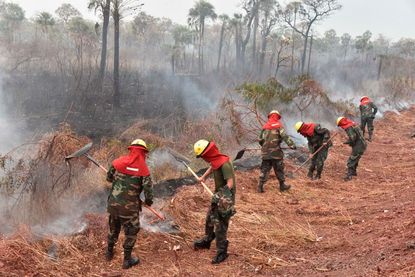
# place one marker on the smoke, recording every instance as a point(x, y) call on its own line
point(9, 136)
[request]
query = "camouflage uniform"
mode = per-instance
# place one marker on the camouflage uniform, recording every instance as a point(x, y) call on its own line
point(124, 205)
point(367, 115)
point(320, 136)
point(220, 211)
point(272, 156)
point(358, 144)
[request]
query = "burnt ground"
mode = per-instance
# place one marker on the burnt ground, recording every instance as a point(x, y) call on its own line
point(329, 227)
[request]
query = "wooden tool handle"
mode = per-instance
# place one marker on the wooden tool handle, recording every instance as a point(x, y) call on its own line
point(203, 184)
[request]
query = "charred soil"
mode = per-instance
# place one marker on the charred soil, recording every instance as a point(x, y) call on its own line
point(365, 227)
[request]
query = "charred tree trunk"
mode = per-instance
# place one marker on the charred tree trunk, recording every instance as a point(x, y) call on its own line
point(254, 39)
point(116, 99)
point(106, 15)
point(309, 55)
point(222, 33)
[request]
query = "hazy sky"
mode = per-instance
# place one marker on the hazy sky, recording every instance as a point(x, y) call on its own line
point(391, 18)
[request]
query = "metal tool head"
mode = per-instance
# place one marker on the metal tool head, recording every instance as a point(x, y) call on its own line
point(240, 154)
point(178, 157)
point(80, 152)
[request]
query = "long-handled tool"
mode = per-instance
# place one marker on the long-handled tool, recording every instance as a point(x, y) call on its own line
point(315, 153)
point(84, 152)
point(241, 153)
point(185, 162)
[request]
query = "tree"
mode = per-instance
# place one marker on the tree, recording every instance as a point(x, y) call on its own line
point(11, 17)
point(182, 36)
point(363, 43)
point(67, 11)
point(278, 56)
point(45, 20)
point(345, 42)
point(225, 21)
point(310, 11)
point(197, 17)
point(293, 6)
point(251, 8)
point(102, 6)
point(269, 11)
point(405, 47)
point(120, 8)
point(331, 40)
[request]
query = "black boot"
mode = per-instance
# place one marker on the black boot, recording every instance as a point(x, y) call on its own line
point(201, 244)
point(318, 175)
point(310, 173)
point(221, 254)
point(284, 187)
point(349, 175)
point(109, 254)
point(260, 188)
point(129, 260)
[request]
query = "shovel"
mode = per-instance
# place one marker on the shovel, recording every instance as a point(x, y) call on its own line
point(241, 153)
point(84, 152)
point(315, 153)
point(185, 162)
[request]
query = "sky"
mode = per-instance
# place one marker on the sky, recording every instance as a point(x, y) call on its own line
point(391, 18)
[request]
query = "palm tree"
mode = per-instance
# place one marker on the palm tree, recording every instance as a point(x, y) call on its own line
point(197, 17)
point(225, 21)
point(120, 9)
point(102, 6)
point(45, 20)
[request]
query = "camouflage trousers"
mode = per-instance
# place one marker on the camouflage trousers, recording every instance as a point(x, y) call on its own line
point(317, 162)
point(131, 226)
point(367, 121)
point(353, 160)
point(267, 165)
point(216, 226)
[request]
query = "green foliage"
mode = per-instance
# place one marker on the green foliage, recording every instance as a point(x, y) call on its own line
point(67, 11)
point(80, 26)
point(265, 94)
point(201, 11)
point(12, 12)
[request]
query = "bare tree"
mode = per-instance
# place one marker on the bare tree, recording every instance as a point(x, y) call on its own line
point(120, 8)
point(310, 11)
point(103, 6)
point(269, 10)
point(251, 9)
point(225, 21)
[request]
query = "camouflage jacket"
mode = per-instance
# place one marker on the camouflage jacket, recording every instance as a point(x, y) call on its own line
point(321, 135)
point(124, 199)
point(270, 141)
point(356, 138)
point(368, 111)
point(225, 197)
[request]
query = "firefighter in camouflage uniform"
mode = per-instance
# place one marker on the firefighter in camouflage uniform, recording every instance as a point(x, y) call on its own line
point(368, 112)
point(272, 135)
point(317, 136)
point(129, 176)
point(222, 206)
point(356, 141)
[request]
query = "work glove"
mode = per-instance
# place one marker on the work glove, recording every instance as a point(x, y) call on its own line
point(148, 202)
